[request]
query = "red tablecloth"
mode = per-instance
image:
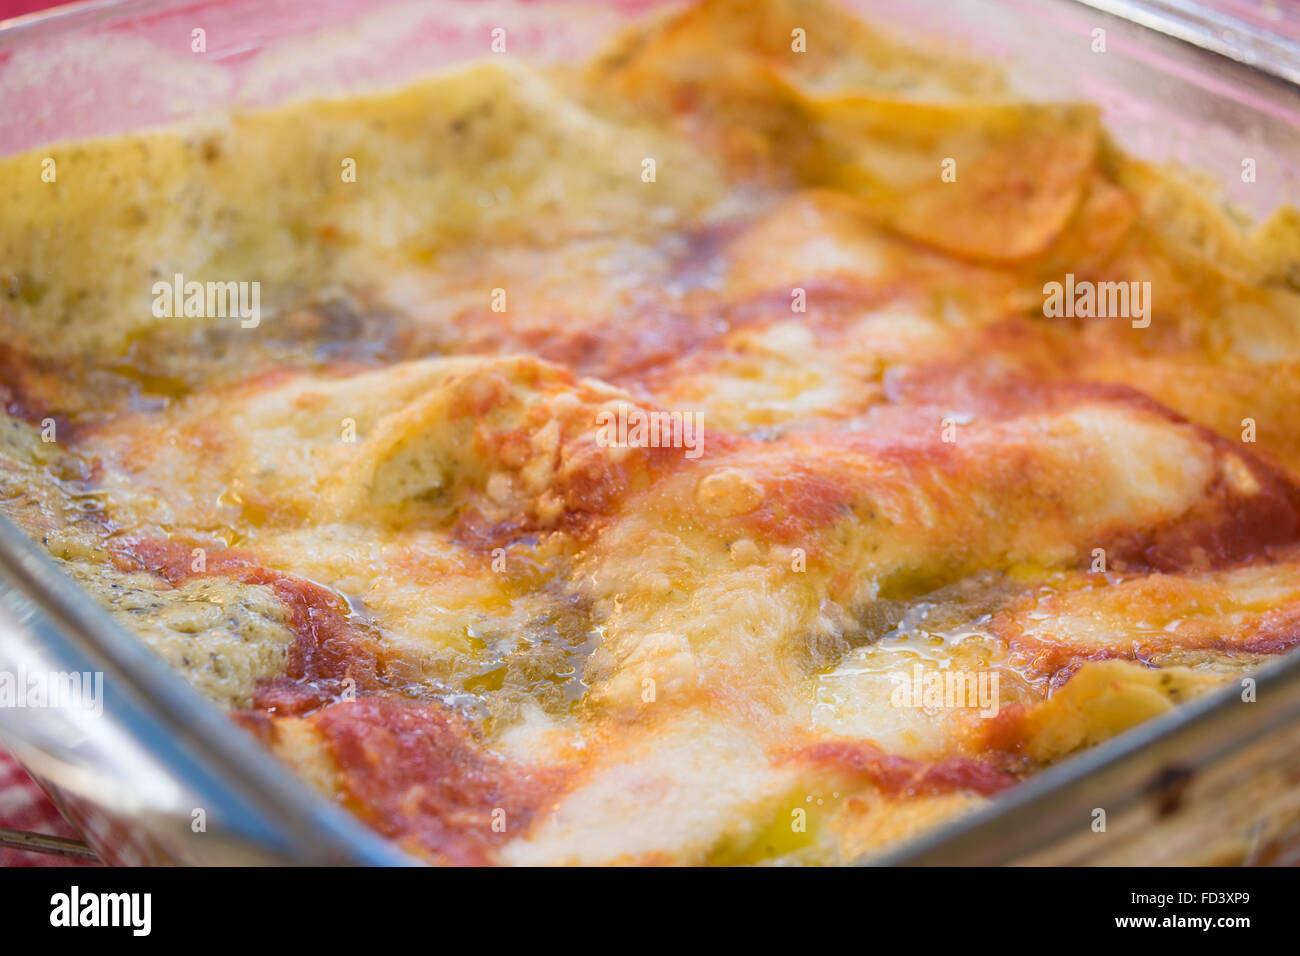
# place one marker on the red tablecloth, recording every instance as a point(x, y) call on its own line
point(24, 806)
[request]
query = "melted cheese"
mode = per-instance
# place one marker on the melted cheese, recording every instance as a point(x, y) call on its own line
point(764, 630)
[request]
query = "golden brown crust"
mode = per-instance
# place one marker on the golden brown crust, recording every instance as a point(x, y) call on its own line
point(408, 528)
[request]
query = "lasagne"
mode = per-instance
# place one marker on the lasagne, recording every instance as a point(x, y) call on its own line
point(758, 444)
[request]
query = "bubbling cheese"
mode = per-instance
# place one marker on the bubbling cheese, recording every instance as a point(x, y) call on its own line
point(657, 460)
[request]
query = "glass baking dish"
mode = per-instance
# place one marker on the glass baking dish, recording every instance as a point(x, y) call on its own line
point(1211, 782)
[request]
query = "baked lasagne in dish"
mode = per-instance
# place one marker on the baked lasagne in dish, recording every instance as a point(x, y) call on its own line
point(758, 444)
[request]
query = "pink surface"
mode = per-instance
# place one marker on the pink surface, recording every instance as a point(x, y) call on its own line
point(14, 8)
point(1280, 16)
